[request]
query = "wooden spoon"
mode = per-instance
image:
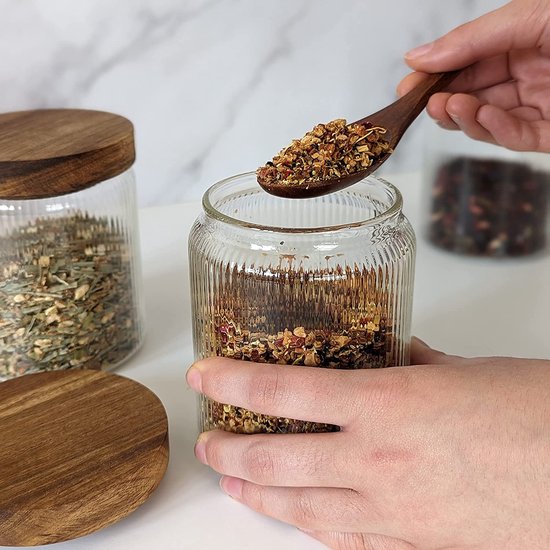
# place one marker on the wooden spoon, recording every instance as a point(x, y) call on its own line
point(395, 118)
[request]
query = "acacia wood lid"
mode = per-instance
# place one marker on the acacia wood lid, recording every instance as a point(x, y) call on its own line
point(52, 152)
point(80, 449)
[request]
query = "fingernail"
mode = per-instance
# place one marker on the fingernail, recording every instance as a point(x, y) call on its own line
point(419, 51)
point(233, 486)
point(194, 379)
point(455, 118)
point(200, 450)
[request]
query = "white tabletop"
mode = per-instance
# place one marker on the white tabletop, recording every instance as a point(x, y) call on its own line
point(464, 306)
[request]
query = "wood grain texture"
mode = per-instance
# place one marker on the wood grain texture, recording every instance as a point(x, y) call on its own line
point(80, 449)
point(398, 116)
point(52, 152)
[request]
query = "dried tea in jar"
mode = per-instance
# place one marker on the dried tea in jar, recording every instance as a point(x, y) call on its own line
point(69, 256)
point(484, 200)
point(487, 207)
point(332, 291)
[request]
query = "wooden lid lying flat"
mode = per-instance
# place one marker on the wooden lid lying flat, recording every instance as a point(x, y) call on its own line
point(79, 450)
point(46, 153)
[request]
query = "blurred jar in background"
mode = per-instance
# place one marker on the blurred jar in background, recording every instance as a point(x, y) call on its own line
point(485, 200)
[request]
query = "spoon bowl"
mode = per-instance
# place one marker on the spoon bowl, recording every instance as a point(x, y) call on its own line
point(395, 118)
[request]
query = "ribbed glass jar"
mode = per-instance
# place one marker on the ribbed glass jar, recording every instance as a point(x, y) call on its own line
point(324, 282)
point(70, 280)
point(70, 277)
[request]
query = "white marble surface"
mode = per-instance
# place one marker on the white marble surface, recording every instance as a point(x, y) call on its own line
point(215, 87)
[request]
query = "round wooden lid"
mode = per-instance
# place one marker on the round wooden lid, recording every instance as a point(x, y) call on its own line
point(46, 153)
point(80, 449)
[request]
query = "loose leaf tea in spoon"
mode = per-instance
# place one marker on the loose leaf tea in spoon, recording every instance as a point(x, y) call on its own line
point(332, 150)
point(335, 155)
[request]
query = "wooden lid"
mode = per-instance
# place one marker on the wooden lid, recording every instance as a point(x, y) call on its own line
point(80, 449)
point(53, 152)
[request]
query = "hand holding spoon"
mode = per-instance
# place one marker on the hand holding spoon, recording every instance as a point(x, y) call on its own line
point(394, 118)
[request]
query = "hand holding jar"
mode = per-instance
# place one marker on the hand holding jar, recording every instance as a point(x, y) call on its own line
point(450, 453)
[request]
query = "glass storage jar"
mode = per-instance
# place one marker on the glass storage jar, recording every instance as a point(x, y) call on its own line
point(324, 282)
point(485, 200)
point(69, 254)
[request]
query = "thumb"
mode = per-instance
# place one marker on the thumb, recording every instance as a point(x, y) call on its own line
point(519, 24)
point(422, 354)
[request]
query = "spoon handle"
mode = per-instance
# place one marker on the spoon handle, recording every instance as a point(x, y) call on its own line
point(399, 115)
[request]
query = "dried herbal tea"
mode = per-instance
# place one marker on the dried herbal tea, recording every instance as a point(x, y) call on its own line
point(332, 150)
point(489, 208)
point(344, 312)
point(66, 296)
point(357, 348)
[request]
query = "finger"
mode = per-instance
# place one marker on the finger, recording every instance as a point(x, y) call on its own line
point(306, 393)
point(514, 26)
point(358, 541)
point(423, 354)
point(323, 509)
point(412, 80)
point(529, 114)
point(514, 132)
point(294, 460)
point(505, 96)
point(463, 110)
point(481, 75)
point(437, 109)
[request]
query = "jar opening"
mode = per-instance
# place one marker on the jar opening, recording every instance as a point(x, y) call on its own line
point(240, 201)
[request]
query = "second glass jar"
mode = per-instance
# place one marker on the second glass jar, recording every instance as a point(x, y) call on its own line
point(484, 200)
point(324, 282)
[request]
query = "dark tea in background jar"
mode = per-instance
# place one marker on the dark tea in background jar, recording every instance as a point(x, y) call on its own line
point(484, 200)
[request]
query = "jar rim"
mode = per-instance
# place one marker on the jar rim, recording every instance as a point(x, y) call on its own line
point(392, 210)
